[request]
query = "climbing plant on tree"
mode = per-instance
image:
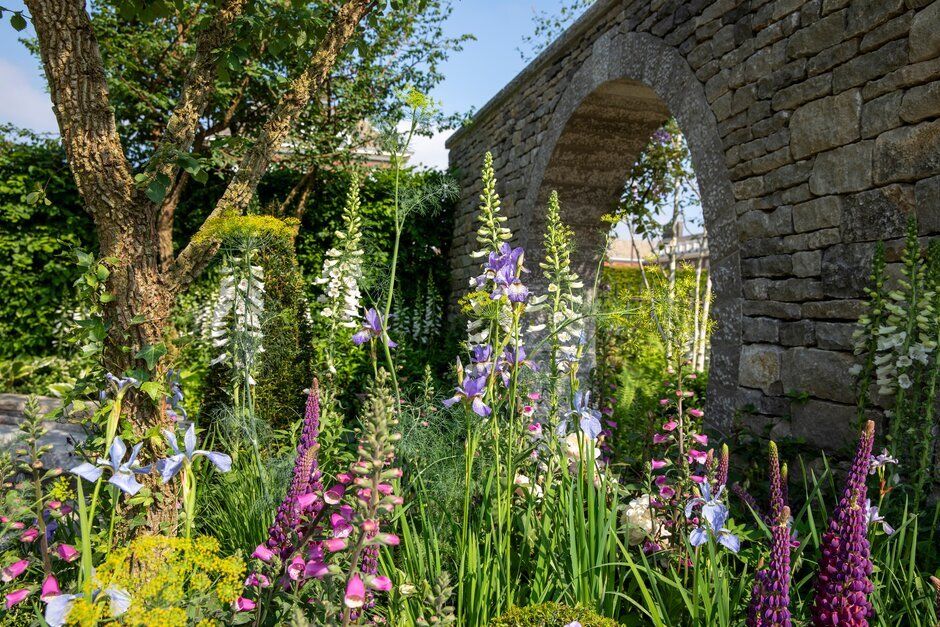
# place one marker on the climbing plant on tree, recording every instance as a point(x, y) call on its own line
point(125, 193)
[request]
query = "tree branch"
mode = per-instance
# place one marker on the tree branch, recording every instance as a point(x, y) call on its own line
point(197, 89)
point(76, 77)
point(241, 189)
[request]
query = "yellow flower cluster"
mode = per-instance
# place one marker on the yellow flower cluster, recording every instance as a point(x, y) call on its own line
point(61, 490)
point(165, 575)
point(227, 228)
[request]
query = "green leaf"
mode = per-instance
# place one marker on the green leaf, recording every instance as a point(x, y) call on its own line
point(153, 389)
point(151, 354)
point(106, 297)
point(18, 22)
point(138, 319)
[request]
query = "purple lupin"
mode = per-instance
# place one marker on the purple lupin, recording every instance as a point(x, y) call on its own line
point(843, 585)
point(770, 598)
point(721, 472)
point(305, 479)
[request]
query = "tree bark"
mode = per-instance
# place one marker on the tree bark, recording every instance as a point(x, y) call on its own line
point(133, 238)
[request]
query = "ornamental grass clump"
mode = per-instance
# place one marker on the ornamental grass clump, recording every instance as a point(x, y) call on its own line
point(845, 567)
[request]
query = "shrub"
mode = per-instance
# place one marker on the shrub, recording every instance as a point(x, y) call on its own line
point(551, 615)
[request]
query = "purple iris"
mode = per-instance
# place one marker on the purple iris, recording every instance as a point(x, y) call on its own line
point(169, 467)
point(471, 390)
point(589, 419)
point(715, 515)
point(504, 270)
point(481, 359)
point(511, 359)
point(122, 473)
point(372, 328)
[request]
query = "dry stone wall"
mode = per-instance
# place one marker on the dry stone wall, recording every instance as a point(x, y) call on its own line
point(814, 131)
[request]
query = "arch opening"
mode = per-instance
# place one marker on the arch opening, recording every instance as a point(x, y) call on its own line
point(603, 121)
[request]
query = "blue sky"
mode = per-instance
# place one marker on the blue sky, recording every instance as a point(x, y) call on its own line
point(472, 76)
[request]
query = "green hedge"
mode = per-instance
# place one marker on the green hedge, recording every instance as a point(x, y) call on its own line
point(551, 615)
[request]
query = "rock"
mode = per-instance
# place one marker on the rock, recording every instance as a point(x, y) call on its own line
point(817, 36)
point(787, 290)
point(925, 34)
point(834, 309)
point(795, 95)
point(875, 64)
point(760, 329)
point(825, 123)
point(811, 241)
point(829, 426)
point(763, 224)
point(807, 263)
point(799, 333)
point(921, 102)
point(846, 169)
point(819, 213)
point(881, 114)
point(772, 266)
point(866, 15)
point(878, 214)
point(822, 374)
point(774, 309)
point(835, 335)
point(908, 153)
point(760, 367)
point(927, 201)
point(845, 269)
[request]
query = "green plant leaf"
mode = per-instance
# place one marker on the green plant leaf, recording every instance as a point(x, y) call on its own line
point(151, 354)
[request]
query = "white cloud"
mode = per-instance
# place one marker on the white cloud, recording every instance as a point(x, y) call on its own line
point(430, 151)
point(23, 104)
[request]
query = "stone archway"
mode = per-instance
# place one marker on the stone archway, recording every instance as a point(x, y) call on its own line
point(624, 90)
point(814, 129)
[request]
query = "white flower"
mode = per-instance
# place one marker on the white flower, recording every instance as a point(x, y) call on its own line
point(904, 381)
point(578, 447)
point(641, 522)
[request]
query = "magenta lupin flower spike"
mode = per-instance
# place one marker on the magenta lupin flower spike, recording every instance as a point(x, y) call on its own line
point(305, 480)
point(721, 473)
point(770, 600)
point(843, 585)
point(776, 484)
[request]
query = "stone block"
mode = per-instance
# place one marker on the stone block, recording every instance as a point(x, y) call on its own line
point(762, 246)
point(831, 57)
point(771, 266)
point(786, 290)
point(760, 329)
point(807, 263)
point(772, 309)
point(760, 367)
point(892, 29)
point(927, 201)
point(795, 95)
point(921, 102)
point(813, 240)
point(788, 175)
point(866, 15)
point(845, 269)
point(877, 214)
point(881, 114)
point(908, 153)
point(844, 309)
point(829, 426)
point(845, 169)
point(799, 333)
point(822, 374)
point(817, 36)
point(755, 224)
point(925, 33)
point(875, 64)
point(825, 123)
point(835, 335)
point(819, 213)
